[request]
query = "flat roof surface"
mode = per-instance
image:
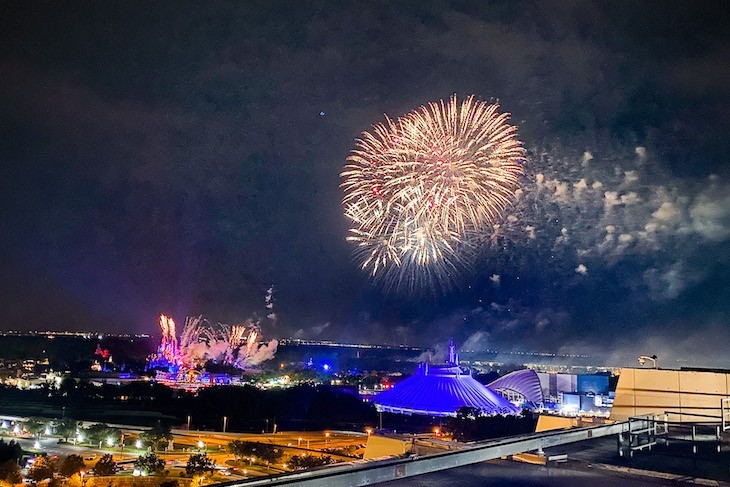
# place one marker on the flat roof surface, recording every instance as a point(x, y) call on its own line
point(503, 473)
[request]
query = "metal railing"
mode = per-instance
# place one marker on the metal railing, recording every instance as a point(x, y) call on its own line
point(367, 473)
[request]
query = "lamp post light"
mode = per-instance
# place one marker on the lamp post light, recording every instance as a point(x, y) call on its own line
point(225, 423)
point(299, 441)
point(653, 358)
point(326, 437)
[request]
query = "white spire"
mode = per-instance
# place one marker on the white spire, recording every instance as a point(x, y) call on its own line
point(453, 356)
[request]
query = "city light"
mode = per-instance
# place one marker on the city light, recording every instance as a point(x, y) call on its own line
point(110, 441)
point(138, 444)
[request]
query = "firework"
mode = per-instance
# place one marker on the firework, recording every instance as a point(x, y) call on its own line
point(168, 346)
point(419, 188)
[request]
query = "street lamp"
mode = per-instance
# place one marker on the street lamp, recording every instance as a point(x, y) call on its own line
point(326, 437)
point(138, 444)
point(299, 441)
point(653, 358)
point(201, 445)
point(110, 441)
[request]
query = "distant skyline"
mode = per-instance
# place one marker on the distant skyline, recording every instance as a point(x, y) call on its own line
point(171, 158)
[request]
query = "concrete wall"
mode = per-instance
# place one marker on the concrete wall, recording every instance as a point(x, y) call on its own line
point(644, 391)
point(380, 446)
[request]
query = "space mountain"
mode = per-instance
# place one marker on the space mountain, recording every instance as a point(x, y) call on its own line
point(441, 390)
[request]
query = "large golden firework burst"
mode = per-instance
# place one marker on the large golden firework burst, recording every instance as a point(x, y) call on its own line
point(420, 187)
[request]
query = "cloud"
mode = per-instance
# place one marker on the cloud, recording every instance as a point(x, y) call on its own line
point(710, 214)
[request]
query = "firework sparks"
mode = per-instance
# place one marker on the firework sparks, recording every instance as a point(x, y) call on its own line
point(418, 188)
point(168, 346)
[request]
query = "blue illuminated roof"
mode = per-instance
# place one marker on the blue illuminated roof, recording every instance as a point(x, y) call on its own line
point(525, 382)
point(441, 391)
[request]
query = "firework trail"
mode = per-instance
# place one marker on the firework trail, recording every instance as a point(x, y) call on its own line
point(168, 346)
point(419, 188)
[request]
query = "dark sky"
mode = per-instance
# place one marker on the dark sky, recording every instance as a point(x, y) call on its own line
point(179, 157)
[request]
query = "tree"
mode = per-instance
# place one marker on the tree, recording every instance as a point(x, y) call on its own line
point(240, 449)
point(105, 466)
point(10, 472)
point(149, 464)
point(199, 464)
point(100, 433)
point(158, 433)
point(71, 465)
point(66, 428)
point(299, 462)
point(10, 451)
point(36, 426)
point(244, 449)
point(43, 468)
point(471, 425)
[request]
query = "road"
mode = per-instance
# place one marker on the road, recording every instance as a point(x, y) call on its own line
point(214, 444)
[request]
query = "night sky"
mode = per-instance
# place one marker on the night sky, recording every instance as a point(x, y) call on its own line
point(182, 158)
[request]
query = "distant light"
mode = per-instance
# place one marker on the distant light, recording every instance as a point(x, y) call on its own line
point(37, 445)
point(322, 114)
point(79, 437)
point(138, 444)
point(47, 431)
point(201, 444)
point(326, 367)
point(110, 441)
point(136, 472)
